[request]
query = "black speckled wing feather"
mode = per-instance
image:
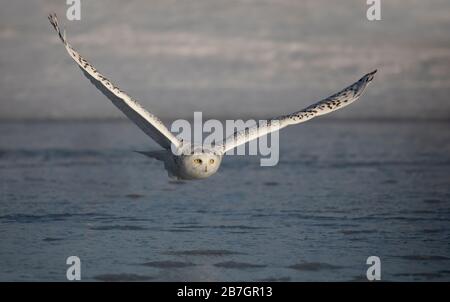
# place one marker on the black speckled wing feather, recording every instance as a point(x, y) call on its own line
point(336, 101)
point(146, 121)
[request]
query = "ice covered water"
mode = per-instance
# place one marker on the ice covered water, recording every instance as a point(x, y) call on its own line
point(342, 191)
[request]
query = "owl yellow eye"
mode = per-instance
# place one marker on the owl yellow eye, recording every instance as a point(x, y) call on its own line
point(211, 161)
point(198, 161)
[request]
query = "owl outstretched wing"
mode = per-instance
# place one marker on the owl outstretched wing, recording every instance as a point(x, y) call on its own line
point(146, 121)
point(336, 101)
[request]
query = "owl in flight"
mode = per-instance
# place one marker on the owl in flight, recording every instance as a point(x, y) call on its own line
point(197, 162)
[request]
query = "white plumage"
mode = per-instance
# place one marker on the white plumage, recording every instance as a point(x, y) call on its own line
point(189, 161)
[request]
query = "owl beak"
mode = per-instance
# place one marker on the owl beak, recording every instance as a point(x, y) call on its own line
point(206, 169)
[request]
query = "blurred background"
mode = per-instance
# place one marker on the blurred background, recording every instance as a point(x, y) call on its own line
point(229, 59)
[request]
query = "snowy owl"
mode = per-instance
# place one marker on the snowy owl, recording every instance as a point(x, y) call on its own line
point(191, 161)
